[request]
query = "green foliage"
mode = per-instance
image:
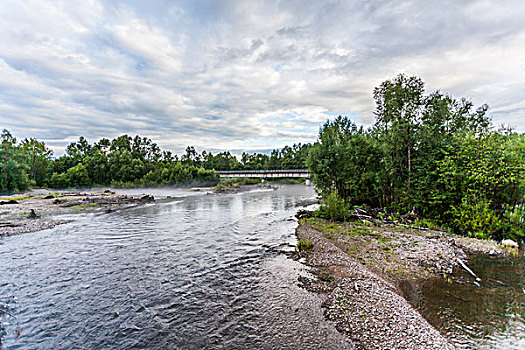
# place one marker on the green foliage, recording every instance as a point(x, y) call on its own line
point(303, 245)
point(333, 208)
point(474, 217)
point(516, 222)
point(13, 165)
point(287, 158)
point(429, 154)
point(38, 161)
point(59, 180)
point(131, 162)
point(77, 176)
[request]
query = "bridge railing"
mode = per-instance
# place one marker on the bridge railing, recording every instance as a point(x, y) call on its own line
point(304, 171)
point(266, 174)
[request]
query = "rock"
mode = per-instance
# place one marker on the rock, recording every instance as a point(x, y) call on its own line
point(12, 201)
point(509, 243)
point(146, 198)
point(303, 214)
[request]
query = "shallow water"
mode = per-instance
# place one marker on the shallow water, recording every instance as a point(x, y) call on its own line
point(491, 316)
point(198, 271)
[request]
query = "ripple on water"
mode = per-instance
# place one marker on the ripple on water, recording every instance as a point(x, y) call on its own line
point(202, 271)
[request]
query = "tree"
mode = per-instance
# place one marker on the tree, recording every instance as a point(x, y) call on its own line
point(78, 176)
point(191, 157)
point(329, 160)
point(39, 159)
point(79, 150)
point(13, 165)
point(398, 112)
point(121, 144)
point(97, 166)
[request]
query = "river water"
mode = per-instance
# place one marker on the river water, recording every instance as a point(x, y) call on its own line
point(487, 315)
point(194, 271)
point(210, 271)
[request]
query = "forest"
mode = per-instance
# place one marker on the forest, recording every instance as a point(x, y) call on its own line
point(125, 161)
point(430, 155)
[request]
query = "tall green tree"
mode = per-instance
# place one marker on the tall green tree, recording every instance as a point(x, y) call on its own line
point(39, 160)
point(13, 164)
point(398, 112)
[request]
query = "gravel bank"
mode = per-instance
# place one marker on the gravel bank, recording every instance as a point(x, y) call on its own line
point(364, 302)
point(15, 210)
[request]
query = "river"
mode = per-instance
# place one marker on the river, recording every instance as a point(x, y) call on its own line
point(210, 271)
point(488, 315)
point(189, 272)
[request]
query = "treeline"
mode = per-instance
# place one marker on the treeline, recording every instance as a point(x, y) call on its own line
point(286, 158)
point(431, 155)
point(124, 161)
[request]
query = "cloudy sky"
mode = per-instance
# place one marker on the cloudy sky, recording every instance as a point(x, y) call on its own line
point(243, 75)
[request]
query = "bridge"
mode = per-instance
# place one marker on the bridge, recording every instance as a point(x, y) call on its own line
point(267, 174)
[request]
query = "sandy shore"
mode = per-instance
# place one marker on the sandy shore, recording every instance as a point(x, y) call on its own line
point(366, 273)
point(15, 210)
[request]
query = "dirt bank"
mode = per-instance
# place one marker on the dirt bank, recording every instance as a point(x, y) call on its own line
point(366, 272)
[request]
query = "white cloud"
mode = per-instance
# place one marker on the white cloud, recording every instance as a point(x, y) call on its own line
point(243, 74)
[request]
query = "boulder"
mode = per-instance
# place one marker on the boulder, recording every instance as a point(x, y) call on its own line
point(509, 243)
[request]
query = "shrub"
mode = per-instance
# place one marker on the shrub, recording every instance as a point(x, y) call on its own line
point(516, 220)
point(475, 218)
point(303, 245)
point(333, 208)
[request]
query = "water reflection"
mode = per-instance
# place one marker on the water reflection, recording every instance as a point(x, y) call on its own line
point(488, 317)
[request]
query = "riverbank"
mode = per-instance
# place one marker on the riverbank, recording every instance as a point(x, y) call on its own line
point(367, 275)
point(30, 212)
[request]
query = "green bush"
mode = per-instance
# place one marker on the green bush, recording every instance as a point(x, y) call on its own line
point(303, 245)
point(333, 208)
point(475, 218)
point(516, 220)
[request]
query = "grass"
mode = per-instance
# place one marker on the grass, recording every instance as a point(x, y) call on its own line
point(371, 245)
point(240, 181)
point(81, 207)
point(325, 276)
point(21, 198)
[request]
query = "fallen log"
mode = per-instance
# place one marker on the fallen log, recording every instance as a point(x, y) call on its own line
point(463, 265)
point(11, 201)
point(8, 224)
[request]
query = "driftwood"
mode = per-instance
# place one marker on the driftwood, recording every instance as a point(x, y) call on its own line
point(463, 265)
point(33, 215)
point(360, 214)
point(414, 227)
point(8, 224)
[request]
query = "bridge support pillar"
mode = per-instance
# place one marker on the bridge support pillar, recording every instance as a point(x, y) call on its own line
point(308, 182)
point(263, 180)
